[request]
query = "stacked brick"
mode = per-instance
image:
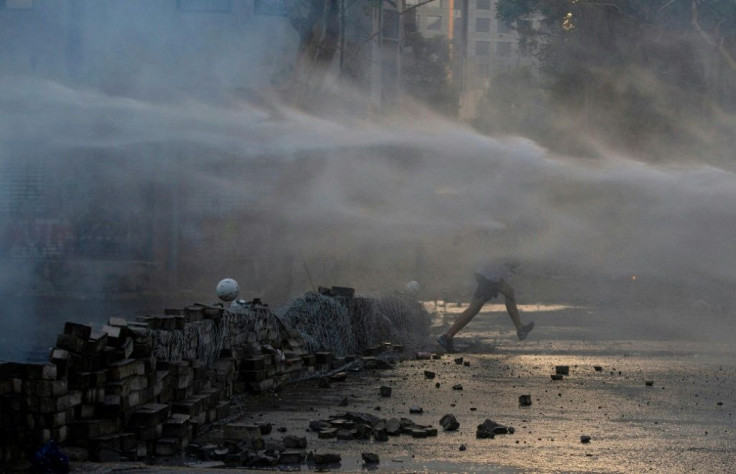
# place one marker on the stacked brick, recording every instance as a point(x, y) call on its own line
point(36, 406)
point(145, 388)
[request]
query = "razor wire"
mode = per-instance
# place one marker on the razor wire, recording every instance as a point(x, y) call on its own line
point(240, 326)
point(322, 321)
point(347, 325)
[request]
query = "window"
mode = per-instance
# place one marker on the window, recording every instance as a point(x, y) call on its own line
point(503, 49)
point(391, 24)
point(16, 4)
point(482, 48)
point(204, 6)
point(434, 23)
point(502, 28)
point(270, 7)
point(483, 5)
point(482, 25)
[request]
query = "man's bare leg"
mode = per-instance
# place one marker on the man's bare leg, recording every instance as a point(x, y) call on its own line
point(508, 295)
point(465, 317)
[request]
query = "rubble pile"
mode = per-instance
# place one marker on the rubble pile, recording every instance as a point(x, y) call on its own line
point(357, 425)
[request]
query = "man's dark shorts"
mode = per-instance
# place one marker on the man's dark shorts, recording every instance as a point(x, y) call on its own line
point(487, 289)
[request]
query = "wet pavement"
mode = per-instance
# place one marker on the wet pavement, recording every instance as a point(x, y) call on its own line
point(647, 404)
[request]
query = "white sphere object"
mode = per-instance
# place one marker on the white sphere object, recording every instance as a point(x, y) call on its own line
point(413, 288)
point(227, 289)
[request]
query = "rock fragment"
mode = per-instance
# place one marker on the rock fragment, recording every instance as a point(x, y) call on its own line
point(370, 458)
point(489, 429)
point(295, 442)
point(449, 422)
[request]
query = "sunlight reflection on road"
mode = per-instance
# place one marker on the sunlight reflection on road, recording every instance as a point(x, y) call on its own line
point(453, 308)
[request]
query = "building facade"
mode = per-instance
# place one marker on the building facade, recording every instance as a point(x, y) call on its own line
point(482, 45)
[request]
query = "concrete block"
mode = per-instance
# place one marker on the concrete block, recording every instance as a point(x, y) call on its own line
point(45, 388)
point(169, 446)
point(81, 331)
point(125, 368)
point(70, 343)
point(86, 429)
point(177, 426)
point(96, 342)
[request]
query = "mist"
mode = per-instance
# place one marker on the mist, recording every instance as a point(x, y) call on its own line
point(209, 174)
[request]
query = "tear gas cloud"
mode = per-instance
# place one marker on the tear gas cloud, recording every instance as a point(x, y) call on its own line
point(283, 200)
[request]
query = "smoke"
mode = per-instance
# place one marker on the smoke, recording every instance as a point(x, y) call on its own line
point(199, 183)
point(411, 180)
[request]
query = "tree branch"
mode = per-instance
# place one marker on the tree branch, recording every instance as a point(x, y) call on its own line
point(727, 56)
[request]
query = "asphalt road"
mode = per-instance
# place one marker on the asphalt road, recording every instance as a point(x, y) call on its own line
point(682, 422)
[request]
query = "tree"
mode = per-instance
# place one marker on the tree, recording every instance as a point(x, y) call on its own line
point(636, 70)
point(317, 22)
point(427, 73)
point(322, 26)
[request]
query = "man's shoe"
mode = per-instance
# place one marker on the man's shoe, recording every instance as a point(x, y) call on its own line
point(524, 331)
point(446, 343)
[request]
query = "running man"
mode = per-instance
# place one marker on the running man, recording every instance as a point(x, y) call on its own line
point(491, 280)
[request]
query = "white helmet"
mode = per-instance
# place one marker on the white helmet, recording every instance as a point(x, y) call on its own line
point(413, 288)
point(227, 289)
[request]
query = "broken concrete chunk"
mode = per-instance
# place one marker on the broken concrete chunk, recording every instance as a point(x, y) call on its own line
point(557, 376)
point(380, 435)
point(370, 458)
point(295, 442)
point(429, 374)
point(415, 410)
point(598, 368)
point(327, 434)
point(292, 457)
point(327, 458)
point(562, 369)
point(393, 426)
point(525, 400)
point(339, 377)
point(242, 431)
point(457, 387)
point(449, 422)
point(489, 429)
point(459, 361)
point(585, 439)
point(649, 383)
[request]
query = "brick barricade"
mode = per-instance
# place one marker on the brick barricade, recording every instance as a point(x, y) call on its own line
point(142, 388)
point(146, 387)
